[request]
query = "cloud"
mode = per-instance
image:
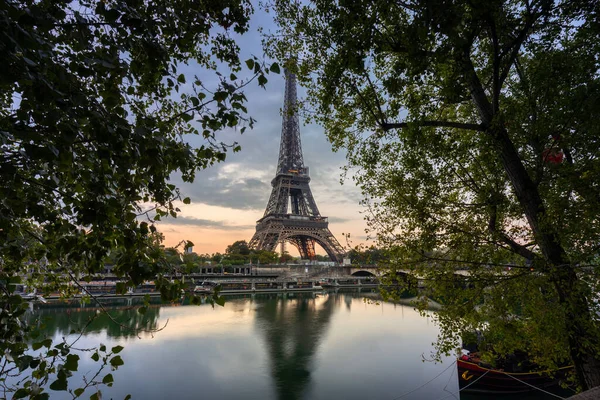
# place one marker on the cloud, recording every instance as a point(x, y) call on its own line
point(232, 185)
point(337, 220)
point(205, 223)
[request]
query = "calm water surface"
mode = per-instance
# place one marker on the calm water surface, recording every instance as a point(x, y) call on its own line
point(274, 346)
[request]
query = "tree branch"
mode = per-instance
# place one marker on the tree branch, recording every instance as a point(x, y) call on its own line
point(515, 247)
point(486, 111)
point(515, 46)
point(439, 124)
point(377, 103)
point(495, 64)
point(354, 86)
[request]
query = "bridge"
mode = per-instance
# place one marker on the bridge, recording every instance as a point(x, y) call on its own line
point(306, 271)
point(317, 271)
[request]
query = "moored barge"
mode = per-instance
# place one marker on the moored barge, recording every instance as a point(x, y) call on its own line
point(475, 378)
point(256, 286)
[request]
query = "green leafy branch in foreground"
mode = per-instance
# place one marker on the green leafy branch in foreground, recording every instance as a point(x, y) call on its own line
point(98, 111)
point(33, 363)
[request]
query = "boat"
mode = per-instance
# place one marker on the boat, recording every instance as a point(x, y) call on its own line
point(32, 296)
point(247, 286)
point(206, 287)
point(348, 282)
point(476, 376)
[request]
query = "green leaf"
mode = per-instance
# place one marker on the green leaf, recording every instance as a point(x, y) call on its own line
point(78, 392)
point(15, 299)
point(96, 396)
point(262, 80)
point(107, 379)
point(220, 300)
point(116, 361)
point(128, 397)
point(21, 393)
point(121, 288)
point(95, 357)
point(59, 384)
point(275, 68)
point(142, 310)
point(220, 96)
point(187, 200)
point(72, 362)
point(181, 78)
point(250, 63)
point(24, 362)
point(117, 349)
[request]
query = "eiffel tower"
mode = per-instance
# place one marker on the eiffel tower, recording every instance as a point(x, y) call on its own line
point(292, 214)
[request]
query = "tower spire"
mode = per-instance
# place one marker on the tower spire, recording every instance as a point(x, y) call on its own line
point(290, 150)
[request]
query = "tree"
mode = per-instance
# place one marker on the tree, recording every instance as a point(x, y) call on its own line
point(286, 257)
point(263, 257)
point(217, 257)
point(238, 247)
point(95, 109)
point(474, 129)
point(172, 256)
point(367, 255)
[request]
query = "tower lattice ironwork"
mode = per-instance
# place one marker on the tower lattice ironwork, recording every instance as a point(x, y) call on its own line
point(292, 214)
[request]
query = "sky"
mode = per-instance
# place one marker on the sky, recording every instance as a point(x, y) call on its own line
point(228, 199)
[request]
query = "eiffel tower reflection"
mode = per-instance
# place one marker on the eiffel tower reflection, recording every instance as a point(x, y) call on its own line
point(294, 325)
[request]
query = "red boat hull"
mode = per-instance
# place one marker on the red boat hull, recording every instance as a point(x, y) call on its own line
point(474, 378)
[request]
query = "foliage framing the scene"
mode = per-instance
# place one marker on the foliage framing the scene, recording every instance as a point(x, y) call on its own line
point(473, 129)
point(95, 111)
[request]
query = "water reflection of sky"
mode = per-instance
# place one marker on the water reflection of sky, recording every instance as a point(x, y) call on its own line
point(269, 347)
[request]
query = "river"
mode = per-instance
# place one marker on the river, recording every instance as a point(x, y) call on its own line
point(344, 345)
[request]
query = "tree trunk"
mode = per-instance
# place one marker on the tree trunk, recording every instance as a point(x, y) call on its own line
point(583, 337)
point(582, 332)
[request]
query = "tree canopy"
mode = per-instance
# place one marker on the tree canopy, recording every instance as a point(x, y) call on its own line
point(96, 109)
point(238, 247)
point(473, 129)
point(236, 253)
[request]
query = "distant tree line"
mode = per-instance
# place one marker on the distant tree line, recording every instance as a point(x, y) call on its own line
point(239, 253)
